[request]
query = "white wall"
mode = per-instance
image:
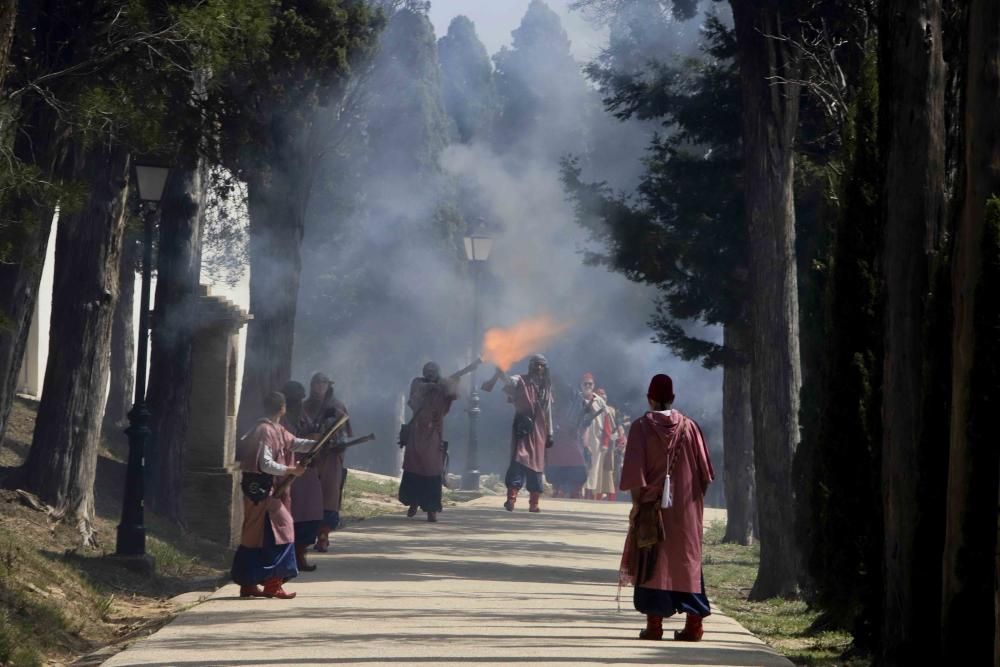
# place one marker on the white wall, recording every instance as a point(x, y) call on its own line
point(32, 375)
point(36, 351)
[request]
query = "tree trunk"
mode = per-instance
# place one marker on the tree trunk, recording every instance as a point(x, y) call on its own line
point(19, 281)
point(39, 142)
point(912, 123)
point(972, 482)
point(62, 462)
point(178, 274)
point(8, 19)
point(277, 224)
point(770, 121)
point(121, 372)
point(737, 427)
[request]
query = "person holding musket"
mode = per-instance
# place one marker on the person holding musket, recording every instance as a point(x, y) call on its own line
point(532, 431)
point(430, 400)
point(266, 554)
point(319, 411)
point(307, 492)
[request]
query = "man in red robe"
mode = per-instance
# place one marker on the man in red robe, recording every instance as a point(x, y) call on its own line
point(667, 468)
point(266, 554)
point(532, 432)
point(431, 397)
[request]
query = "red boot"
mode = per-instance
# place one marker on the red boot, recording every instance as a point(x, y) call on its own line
point(654, 628)
point(533, 501)
point(511, 499)
point(251, 591)
point(273, 589)
point(693, 630)
point(612, 496)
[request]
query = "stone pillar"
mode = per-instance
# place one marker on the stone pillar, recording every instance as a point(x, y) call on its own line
point(213, 505)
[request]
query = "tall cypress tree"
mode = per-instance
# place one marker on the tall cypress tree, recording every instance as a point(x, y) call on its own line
point(837, 464)
point(467, 85)
point(384, 201)
point(544, 98)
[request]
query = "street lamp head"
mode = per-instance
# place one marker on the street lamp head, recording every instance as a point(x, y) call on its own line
point(150, 180)
point(478, 246)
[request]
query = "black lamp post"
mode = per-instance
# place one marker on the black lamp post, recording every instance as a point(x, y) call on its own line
point(477, 248)
point(150, 180)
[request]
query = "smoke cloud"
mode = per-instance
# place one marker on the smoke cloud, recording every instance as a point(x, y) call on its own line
point(386, 287)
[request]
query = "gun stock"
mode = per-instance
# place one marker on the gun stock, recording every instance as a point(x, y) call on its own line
point(491, 384)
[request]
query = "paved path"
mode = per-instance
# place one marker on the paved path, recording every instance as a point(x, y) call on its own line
point(481, 587)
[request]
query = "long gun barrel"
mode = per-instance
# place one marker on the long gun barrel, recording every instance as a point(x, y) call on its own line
point(468, 369)
point(311, 456)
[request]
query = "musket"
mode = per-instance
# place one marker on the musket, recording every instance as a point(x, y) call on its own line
point(283, 485)
point(468, 369)
point(311, 456)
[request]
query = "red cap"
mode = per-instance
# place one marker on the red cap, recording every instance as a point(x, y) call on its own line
point(588, 377)
point(661, 389)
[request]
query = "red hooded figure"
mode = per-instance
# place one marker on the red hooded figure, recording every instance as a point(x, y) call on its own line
point(667, 468)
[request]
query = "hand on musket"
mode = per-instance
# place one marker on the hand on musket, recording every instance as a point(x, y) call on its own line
point(499, 376)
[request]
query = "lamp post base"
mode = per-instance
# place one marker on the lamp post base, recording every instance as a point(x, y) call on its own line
point(470, 480)
point(144, 564)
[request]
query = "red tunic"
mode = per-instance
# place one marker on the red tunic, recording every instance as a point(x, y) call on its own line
point(430, 402)
point(307, 490)
point(529, 450)
point(248, 450)
point(651, 443)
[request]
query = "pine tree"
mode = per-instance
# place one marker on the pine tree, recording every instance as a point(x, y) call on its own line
point(683, 231)
point(275, 139)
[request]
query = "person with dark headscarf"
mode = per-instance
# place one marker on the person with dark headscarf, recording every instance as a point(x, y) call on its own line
point(667, 468)
point(430, 400)
point(307, 491)
point(532, 431)
point(565, 463)
point(321, 411)
point(266, 554)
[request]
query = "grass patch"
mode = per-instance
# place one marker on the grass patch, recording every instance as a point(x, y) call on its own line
point(365, 498)
point(730, 571)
